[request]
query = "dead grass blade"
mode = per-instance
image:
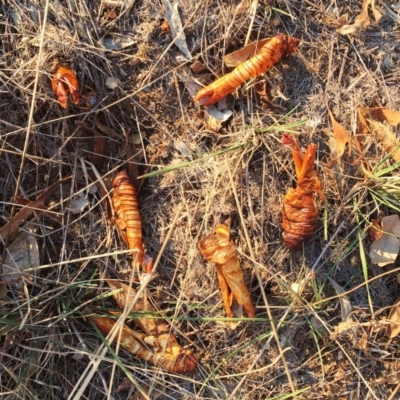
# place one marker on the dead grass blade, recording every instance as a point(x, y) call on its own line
point(184, 165)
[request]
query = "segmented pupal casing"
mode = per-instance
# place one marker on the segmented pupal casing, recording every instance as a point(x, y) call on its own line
point(64, 81)
point(128, 219)
point(270, 53)
point(299, 211)
point(150, 348)
point(218, 249)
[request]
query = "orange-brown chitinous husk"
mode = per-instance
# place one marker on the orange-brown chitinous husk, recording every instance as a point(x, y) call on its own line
point(299, 211)
point(149, 348)
point(270, 53)
point(64, 81)
point(128, 219)
point(218, 249)
point(156, 330)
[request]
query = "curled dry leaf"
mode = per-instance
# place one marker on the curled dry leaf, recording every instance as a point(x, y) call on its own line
point(128, 219)
point(370, 122)
point(385, 250)
point(30, 207)
point(218, 249)
point(214, 118)
point(64, 81)
point(197, 67)
point(374, 230)
point(100, 149)
point(175, 24)
point(340, 135)
point(270, 53)
point(239, 56)
point(362, 21)
point(22, 255)
point(393, 328)
point(299, 212)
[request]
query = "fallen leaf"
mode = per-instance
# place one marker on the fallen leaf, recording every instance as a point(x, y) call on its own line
point(197, 67)
point(191, 86)
point(378, 115)
point(78, 204)
point(237, 57)
point(393, 329)
point(214, 118)
point(340, 135)
point(33, 206)
point(385, 250)
point(175, 24)
point(183, 148)
point(362, 21)
point(117, 42)
point(386, 137)
point(100, 149)
point(22, 255)
point(319, 325)
point(345, 305)
point(374, 230)
point(392, 117)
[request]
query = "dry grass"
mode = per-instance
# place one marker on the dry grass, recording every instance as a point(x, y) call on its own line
point(47, 351)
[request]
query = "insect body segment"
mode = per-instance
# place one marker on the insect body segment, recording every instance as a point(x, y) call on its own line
point(269, 54)
point(218, 249)
point(128, 218)
point(150, 348)
point(299, 212)
point(65, 81)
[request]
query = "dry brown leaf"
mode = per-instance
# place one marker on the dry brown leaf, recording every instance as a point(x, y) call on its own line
point(370, 122)
point(362, 21)
point(385, 250)
point(392, 117)
point(393, 329)
point(100, 149)
point(21, 216)
point(197, 67)
point(340, 134)
point(33, 206)
point(374, 230)
point(386, 137)
point(237, 57)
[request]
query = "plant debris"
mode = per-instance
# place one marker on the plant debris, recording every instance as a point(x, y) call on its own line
point(385, 249)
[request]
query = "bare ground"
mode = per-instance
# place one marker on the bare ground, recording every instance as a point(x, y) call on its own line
point(45, 344)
